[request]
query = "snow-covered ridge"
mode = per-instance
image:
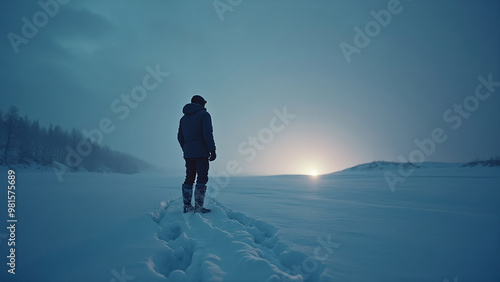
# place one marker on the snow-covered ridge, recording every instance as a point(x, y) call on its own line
point(383, 165)
point(490, 163)
point(223, 246)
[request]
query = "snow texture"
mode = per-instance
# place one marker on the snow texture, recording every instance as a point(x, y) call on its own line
point(221, 246)
point(442, 222)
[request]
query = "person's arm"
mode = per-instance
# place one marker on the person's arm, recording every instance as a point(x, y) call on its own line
point(180, 136)
point(208, 135)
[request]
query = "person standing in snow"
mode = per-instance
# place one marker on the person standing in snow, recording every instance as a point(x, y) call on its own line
point(197, 142)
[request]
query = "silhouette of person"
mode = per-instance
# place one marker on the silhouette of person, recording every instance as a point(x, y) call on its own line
point(197, 142)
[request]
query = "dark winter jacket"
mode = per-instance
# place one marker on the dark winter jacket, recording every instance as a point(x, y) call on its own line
point(195, 132)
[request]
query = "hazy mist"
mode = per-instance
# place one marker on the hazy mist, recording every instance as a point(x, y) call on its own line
point(285, 94)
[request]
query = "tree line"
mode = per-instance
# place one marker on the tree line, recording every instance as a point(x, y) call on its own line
point(26, 142)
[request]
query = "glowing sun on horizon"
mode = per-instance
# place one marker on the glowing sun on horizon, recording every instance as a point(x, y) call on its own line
point(313, 173)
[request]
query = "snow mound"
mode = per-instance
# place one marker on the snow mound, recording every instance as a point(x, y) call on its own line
point(490, 163)
point(223, 246)
point(383, 166)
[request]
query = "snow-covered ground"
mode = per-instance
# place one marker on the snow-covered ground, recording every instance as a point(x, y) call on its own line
point(442, 222)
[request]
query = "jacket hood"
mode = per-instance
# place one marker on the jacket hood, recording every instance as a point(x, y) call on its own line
point(192, 108)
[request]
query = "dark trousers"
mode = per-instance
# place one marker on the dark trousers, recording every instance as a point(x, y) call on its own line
point(196, 166)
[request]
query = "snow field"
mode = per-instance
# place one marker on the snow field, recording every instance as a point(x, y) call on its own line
point(442, 222)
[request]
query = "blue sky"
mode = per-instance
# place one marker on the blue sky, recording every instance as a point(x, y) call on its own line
point(261, 57)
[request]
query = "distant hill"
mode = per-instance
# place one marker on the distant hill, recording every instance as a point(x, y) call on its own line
point(490, 163)
point(384, 165)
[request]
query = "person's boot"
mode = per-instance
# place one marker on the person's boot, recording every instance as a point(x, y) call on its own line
point(199, 198)
point(187, 194)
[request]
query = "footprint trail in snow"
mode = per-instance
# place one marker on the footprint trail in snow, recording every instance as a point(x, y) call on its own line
point(224, 246)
